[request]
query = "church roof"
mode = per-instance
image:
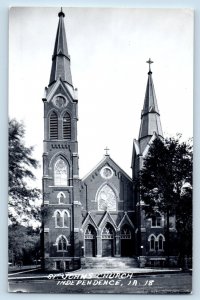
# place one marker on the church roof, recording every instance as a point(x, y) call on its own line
point(109, 160)
point(60, 59)
point(150, 117)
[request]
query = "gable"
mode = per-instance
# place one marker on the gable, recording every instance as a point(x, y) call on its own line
point(98, 170)
point(60, 88)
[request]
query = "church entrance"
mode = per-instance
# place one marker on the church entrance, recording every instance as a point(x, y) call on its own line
point(108, 241)
point(90, 241)
point(126, 242)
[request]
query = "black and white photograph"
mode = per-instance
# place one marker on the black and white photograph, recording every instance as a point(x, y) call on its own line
point(100, 150)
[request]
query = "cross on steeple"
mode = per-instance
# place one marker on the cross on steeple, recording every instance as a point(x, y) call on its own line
point(61, 13)
point(106, 149)
point(149, 62)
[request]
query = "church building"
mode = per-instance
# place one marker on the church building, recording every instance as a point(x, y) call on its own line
point(99, 218)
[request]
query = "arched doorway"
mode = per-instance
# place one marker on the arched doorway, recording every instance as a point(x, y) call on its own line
point(108, 240)
point(126, 241)
point(90, 241)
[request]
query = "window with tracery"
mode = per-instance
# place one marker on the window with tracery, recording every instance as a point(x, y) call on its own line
point(62, 243)
point(125, 233)
point(60, 173)
point(108, 232)
point(66, 126)
point(107, 199)
point(53, 126)
point(62, 219)
point(90, 233)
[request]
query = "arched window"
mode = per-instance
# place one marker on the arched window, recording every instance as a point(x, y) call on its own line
point(125, 233)
point(161, 240)
point(62, 243)
point(61, 198)
point(152, 241)
point(66, 126)
point(108, 232)
point(156, 220)
point(58, 219)
point(65, 219)
point(60, 173)
point(90, 233)
point(107, 199)
point(53, 126)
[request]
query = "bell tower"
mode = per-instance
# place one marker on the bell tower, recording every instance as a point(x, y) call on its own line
point(61, 200)
point(150, 129)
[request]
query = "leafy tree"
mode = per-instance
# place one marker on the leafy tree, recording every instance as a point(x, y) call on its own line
point(166, 185)
point(24, 244)
point(22, 198)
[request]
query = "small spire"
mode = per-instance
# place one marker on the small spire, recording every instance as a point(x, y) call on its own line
point(149, 62)
point(61, 13)
point(150, 117)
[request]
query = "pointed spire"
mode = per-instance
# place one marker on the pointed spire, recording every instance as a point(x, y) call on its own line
point(60, 59)
point(150, 117)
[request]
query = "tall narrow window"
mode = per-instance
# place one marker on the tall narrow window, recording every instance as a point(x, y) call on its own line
point(160, 242)
point(62, 243)
point(152, 240)
point(65, 219)
point(60, 173)
point(66, 127)
point(59, 219)
point(53, 126)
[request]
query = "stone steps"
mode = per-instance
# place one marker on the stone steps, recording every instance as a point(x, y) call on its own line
point(109, 262)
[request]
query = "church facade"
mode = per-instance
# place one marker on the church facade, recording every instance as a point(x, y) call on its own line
point(100, 215)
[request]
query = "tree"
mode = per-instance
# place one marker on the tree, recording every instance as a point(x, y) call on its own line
point(23, 244)
point(22, 198)
point(166, 185)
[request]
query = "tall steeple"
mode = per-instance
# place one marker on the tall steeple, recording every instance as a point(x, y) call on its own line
point(150, 116)
point(60, 59)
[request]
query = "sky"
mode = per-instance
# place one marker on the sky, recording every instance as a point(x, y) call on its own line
point(109, 49)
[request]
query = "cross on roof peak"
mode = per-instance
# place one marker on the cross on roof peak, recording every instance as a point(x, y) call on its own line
point(149, 62)
point(106, 149)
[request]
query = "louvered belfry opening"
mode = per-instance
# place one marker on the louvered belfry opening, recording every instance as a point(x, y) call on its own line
point(53, 126)
point(66, 126)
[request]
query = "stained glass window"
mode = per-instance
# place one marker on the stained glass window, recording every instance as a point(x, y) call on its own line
point(107, 199)
point(60, 173)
